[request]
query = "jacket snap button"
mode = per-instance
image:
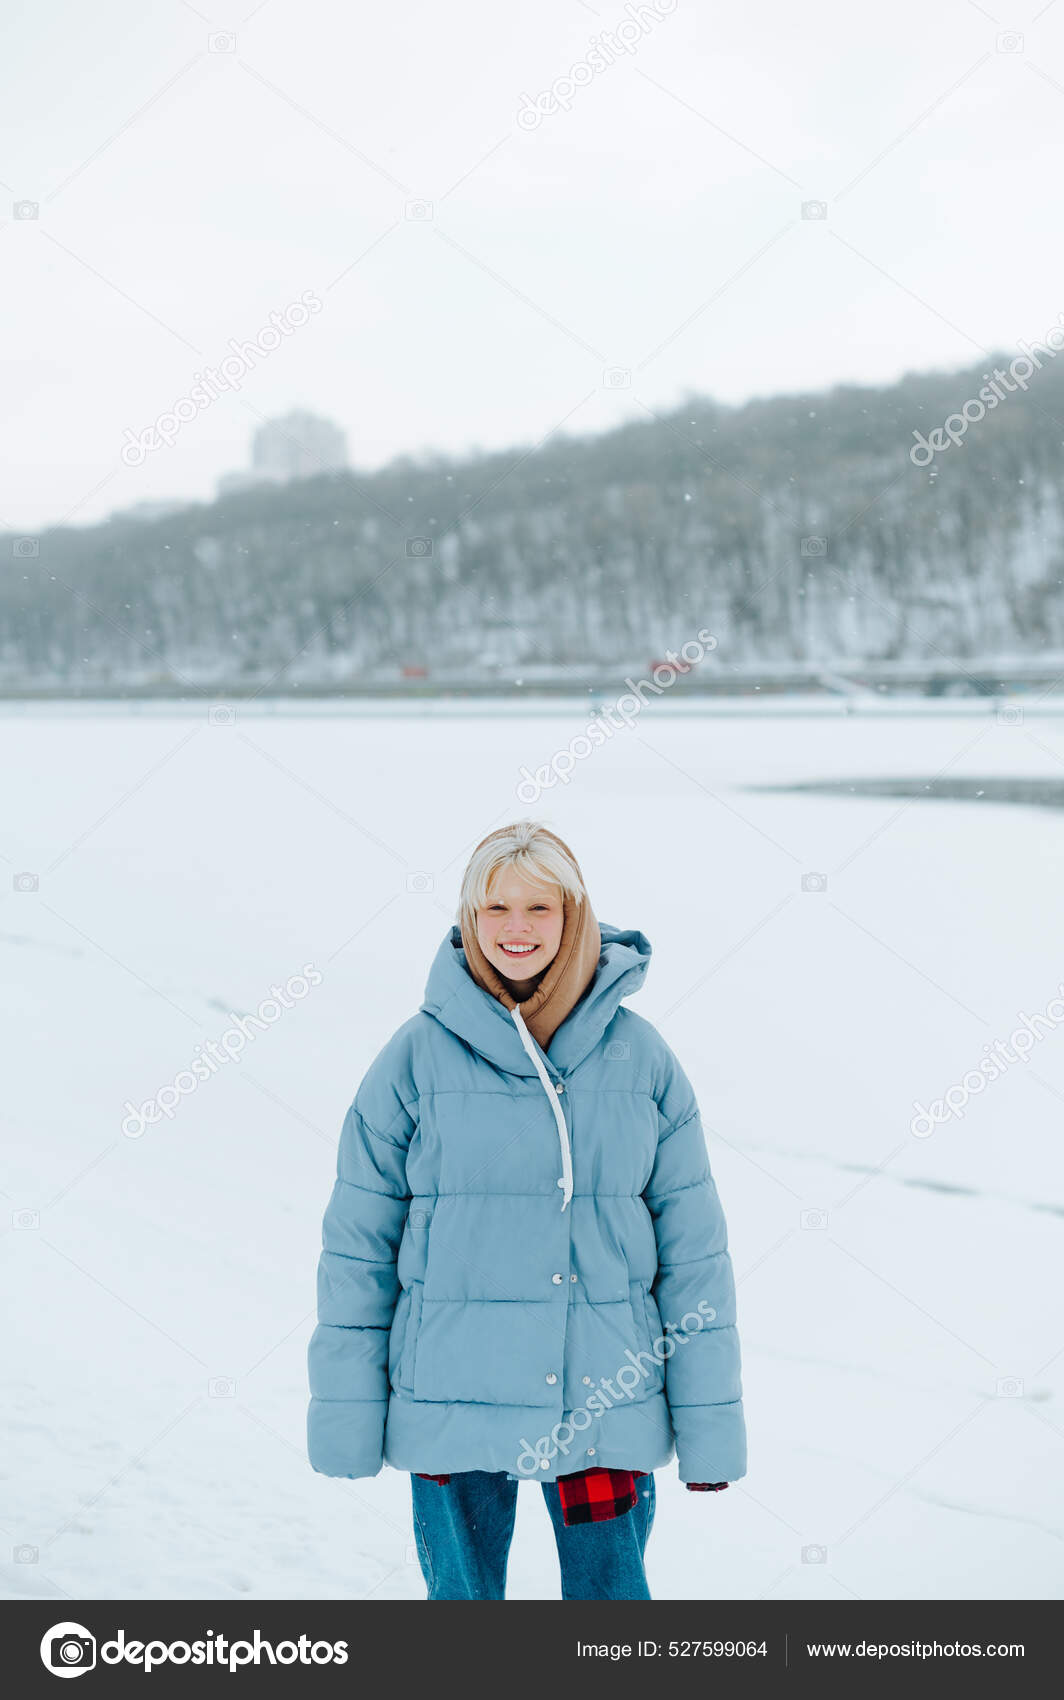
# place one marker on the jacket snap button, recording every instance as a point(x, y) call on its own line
point(544, 1463)
point(551, 1377)
point(572, 1277)
point(561, 1180)
point(586, 1380)
point(591, 1451)
point(559, 1086)
point(557, 1279)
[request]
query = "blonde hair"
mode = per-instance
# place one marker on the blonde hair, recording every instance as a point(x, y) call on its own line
point(532, 850)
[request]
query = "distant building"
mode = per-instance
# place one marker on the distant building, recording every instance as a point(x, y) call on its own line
point(297, 445)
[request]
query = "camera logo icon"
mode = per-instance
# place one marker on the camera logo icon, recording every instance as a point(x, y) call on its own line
point(420, 883)
point(814, 1555)
point(814, 882)
point(814, 209)
point(1009, 41)
point(26, 209)
point(1010, 1387)
point(421, 211)
point(25, 882)
point(68, 1649)
point(618, 1050)
point(25, 548)
point(222, 42)
point(418, 548)
point(617, 378)
point(1009, 715)
point(814, 1218)
point(814, 546)
point(220, 714)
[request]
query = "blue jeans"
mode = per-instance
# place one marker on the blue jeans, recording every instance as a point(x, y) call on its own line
point(463, 1530)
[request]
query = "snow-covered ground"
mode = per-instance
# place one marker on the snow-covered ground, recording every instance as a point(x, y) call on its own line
point(903, 1349)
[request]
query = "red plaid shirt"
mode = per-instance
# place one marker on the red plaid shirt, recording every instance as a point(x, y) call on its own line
point(596, 1496)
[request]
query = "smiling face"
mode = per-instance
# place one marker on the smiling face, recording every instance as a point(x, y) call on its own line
point(520, 926)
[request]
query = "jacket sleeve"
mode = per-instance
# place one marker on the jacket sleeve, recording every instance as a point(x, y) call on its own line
point(358, 1282)
point(695, 1292)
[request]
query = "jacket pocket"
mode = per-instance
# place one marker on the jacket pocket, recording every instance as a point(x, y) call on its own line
point(397, 1337)
point(648, 1321)
point(413, 1320)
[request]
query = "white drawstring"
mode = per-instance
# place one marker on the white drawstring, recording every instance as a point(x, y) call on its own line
point(559, 1114)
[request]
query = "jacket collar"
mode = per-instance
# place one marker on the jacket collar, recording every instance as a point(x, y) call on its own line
point(455, 1000)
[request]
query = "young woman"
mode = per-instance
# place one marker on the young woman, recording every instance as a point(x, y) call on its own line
point(525, 1272)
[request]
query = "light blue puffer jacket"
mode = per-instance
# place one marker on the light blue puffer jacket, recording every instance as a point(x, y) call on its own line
point(525, 1263)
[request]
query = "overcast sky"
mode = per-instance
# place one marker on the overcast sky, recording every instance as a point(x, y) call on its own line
point(195, 168)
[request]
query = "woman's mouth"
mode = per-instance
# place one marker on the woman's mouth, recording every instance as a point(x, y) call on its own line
point(516, 951)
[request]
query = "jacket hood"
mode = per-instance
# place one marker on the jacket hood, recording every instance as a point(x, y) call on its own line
point(455, 999)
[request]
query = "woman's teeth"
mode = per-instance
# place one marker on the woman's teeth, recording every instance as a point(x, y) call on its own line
point(518, 949)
